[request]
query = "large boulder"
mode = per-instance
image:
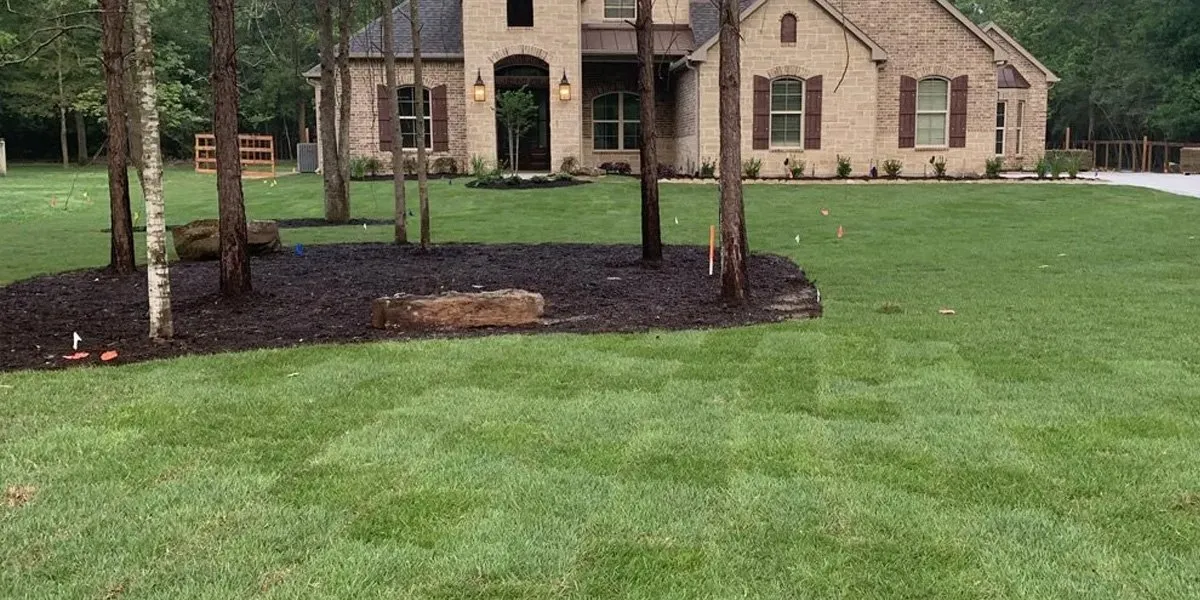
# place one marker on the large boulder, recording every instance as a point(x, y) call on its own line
point(200, 240)
point(454, 310)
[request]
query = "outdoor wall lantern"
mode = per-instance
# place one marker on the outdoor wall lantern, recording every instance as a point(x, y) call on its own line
point(480, 88)
point(564, 88)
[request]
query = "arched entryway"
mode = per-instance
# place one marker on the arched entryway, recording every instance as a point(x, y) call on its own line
point(533, 74)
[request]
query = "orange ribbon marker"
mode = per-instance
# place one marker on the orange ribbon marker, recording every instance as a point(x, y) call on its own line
point(841, 232)
point(712, 248)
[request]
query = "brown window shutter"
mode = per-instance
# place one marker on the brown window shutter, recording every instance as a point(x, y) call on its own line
point(787, 29)
point(908, 112)
point(762, 113)
point(386, 110)
point(441, 122)
point(812, 112)
point(958, 112)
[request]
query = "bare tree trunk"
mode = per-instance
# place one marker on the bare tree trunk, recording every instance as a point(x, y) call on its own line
point(112, 24)
point(345, 16)
point(158, 280)
point(734, 285)
point(235, 265)
point(336, 210)
point(62, 105)
point(81, 139)
point(422, 154)
point(652, 251)
point(301, 121)
point(389, 68)
point(133, 110)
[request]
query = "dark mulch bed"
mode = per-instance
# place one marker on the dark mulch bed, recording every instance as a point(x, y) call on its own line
point(409, 177)
point(297, 223)
point(525, 184)
point(325, 296)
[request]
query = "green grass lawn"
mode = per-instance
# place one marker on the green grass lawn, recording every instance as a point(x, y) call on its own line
point(1042, 443)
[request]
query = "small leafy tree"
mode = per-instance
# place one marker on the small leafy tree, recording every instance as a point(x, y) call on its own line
point(517, 112)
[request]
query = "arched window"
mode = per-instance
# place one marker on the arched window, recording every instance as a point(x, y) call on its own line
point(616, 121)
point(933, 111)
point(408, 118)
point(787, 113)
point(787, 29)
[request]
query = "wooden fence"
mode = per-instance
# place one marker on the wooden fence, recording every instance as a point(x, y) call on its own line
point(1140, 156)
point(257, 154)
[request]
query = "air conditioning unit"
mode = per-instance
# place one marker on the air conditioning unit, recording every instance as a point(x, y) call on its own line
point(306, 158)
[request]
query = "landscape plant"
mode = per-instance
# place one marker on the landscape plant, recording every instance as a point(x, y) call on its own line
point(796, 168)
point(517, 111)
point(751, 168)
point(892, 168)
point(939, 166)
point(993, 166)
point(844, 168)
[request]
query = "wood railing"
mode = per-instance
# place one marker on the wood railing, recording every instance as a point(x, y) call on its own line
point(257, 154)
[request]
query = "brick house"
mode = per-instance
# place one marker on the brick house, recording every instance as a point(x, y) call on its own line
point(885, 79)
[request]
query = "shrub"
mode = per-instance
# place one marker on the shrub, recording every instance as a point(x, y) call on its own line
point(479, 166)
point(562, 177)
point(1087, 160)
point(708, 169)
point(892, 167)
point(539, 179)
point(1073, 163)
point(513, 180)
point(358, 167)
point(751, 168)
point(373, 165)
point(410, 165)
point(616, 168)
point(992, 167)
point(667, 171)
point(939, 166)
point(570, 164)
point(796, 167)
point(1042, 167)
point(445, 165)
point(844, 169)
point(1058, 164)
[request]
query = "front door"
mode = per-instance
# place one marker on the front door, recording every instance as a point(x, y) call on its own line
point(533, 153)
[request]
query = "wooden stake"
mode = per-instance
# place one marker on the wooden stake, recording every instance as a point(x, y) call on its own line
point(1067, 140)
point(1145, 153)
point(712, 248)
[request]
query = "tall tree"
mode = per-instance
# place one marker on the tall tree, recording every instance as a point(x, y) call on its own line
point(158, 280)
point(652, 251)
point(389, 68)
point(112, 24)
point(235, 265)
point(62, 103)
point(414, 17)
point(345, 17)
point(337, 209)
point(734, 284)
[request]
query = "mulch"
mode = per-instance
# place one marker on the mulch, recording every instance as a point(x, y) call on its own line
point(324, 296)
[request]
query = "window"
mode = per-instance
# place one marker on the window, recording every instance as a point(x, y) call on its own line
point(1018, 126)
point(933, 108)
point(787, 29)
point(1001, 108)
point(620, 9)
point(616, 122)
point(787, 113)
point(408, 118)
point(520, 13)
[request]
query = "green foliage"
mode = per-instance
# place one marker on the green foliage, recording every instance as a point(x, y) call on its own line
point(1058, 164)
point(517, 111)
point(1042, 168)
point(358, 167)
point(892, 167)
point(751, 168)
point(1084, 159)
point(796, 168)
point(445, 165)
point(993, 166)
point(844, 168)
point(939, 166)
point(373, 166)
point(708, 169)
point(570, 164)
point(479, 165)
point(410, 164)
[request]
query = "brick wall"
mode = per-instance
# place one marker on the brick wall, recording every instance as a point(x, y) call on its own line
point(1033, 128)
point(686, 135)
point(847, 114)
point(602, 78)
point(665, 11)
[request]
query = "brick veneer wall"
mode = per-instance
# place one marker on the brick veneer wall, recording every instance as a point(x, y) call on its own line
point(1033, 142)
point(665, 11)
point(686, 134)
point(602, 78)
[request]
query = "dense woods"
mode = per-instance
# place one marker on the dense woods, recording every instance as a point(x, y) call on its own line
point(1129, 68)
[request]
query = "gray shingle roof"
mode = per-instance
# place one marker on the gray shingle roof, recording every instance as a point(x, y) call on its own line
point(441, 31)
point(705, 21)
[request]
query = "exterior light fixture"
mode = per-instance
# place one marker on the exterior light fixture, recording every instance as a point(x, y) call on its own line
point(480, 88)
point(564, 88)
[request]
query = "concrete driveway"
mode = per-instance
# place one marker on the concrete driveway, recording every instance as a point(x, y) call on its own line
point(1184, 185)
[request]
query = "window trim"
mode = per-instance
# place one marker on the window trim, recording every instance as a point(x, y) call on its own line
point(1019, 127)
point(945, 115)
point(1002, 126)
point(621, 121)
point(604, 9)
point(428, 119)
point(783, 23)
point(771, 145)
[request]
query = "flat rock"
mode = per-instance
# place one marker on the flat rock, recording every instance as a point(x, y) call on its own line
point(457, 310)
point(200, 240)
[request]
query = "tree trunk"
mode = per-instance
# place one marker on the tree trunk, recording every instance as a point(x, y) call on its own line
point(235, 265)
point(133, 110)
point(419, 95)
point(734, 284)
point(62, 106)
point(389, 67)
point(301, 121)
point(345, 16)
point(112, 24)
point(652, 251)
point(81, 140)
point(336, 211)
point(158, 280)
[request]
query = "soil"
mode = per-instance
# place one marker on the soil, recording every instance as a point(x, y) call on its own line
point(299, 223)
point(526, 184)
point(410, 177)
point(325, 297)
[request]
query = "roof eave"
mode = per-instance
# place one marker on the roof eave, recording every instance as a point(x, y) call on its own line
point(1050, 76)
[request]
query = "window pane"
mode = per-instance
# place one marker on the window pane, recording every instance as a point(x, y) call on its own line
point(606, 136)
point(605, 108)
point(633, 136)
point(999, 142)
point(408, 104)
point(787, 95)
point(932, 94)
point(1000, 109)
point(785, 130)
point(620, 9)
point(931, 130)
point(633, 107)
point(520, 13)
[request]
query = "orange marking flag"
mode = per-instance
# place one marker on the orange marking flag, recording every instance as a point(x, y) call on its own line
point(110, 355)
point(841, 232)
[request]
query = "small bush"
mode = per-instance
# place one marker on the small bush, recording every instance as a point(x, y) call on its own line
point(892, 168)
point(479, 166)
point(844, 168)
point(1042, 168)
point(1087, 160)
point(939, 166)
point(410, 165)
point(358, 167)
point(513, 180)
point(373, 165)
point(616, 168)
point(1074, 162)
point(569, 164)
point(562, 177)
point(708, 169)
point(667, 171)
point(1058, 164)
point(445, 165)
point(992, 167)
point(539, 179)
point(751, 168)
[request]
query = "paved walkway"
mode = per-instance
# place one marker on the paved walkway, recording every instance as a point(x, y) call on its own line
point(1184, 185)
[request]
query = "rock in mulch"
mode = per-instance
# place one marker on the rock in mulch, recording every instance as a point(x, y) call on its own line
point(457, 310)
point(200, 240)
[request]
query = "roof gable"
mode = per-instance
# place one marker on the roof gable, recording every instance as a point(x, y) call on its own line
point(749, 6)
point(993, 28)
point(441, 31)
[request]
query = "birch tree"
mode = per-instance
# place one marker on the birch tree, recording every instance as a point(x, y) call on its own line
point(734, 285)
point(158, 281)
point(389, 67)
point(414, 17)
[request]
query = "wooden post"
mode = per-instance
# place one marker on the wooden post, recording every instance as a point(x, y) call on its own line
point(1145, 153)
point(1067, 140)
point(1120, 156)
point(3, 159)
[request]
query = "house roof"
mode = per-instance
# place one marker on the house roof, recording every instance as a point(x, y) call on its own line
point(620, 39)
point(991, 27)
point(1008, 77)
point(441, 31)
point(711, 19)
